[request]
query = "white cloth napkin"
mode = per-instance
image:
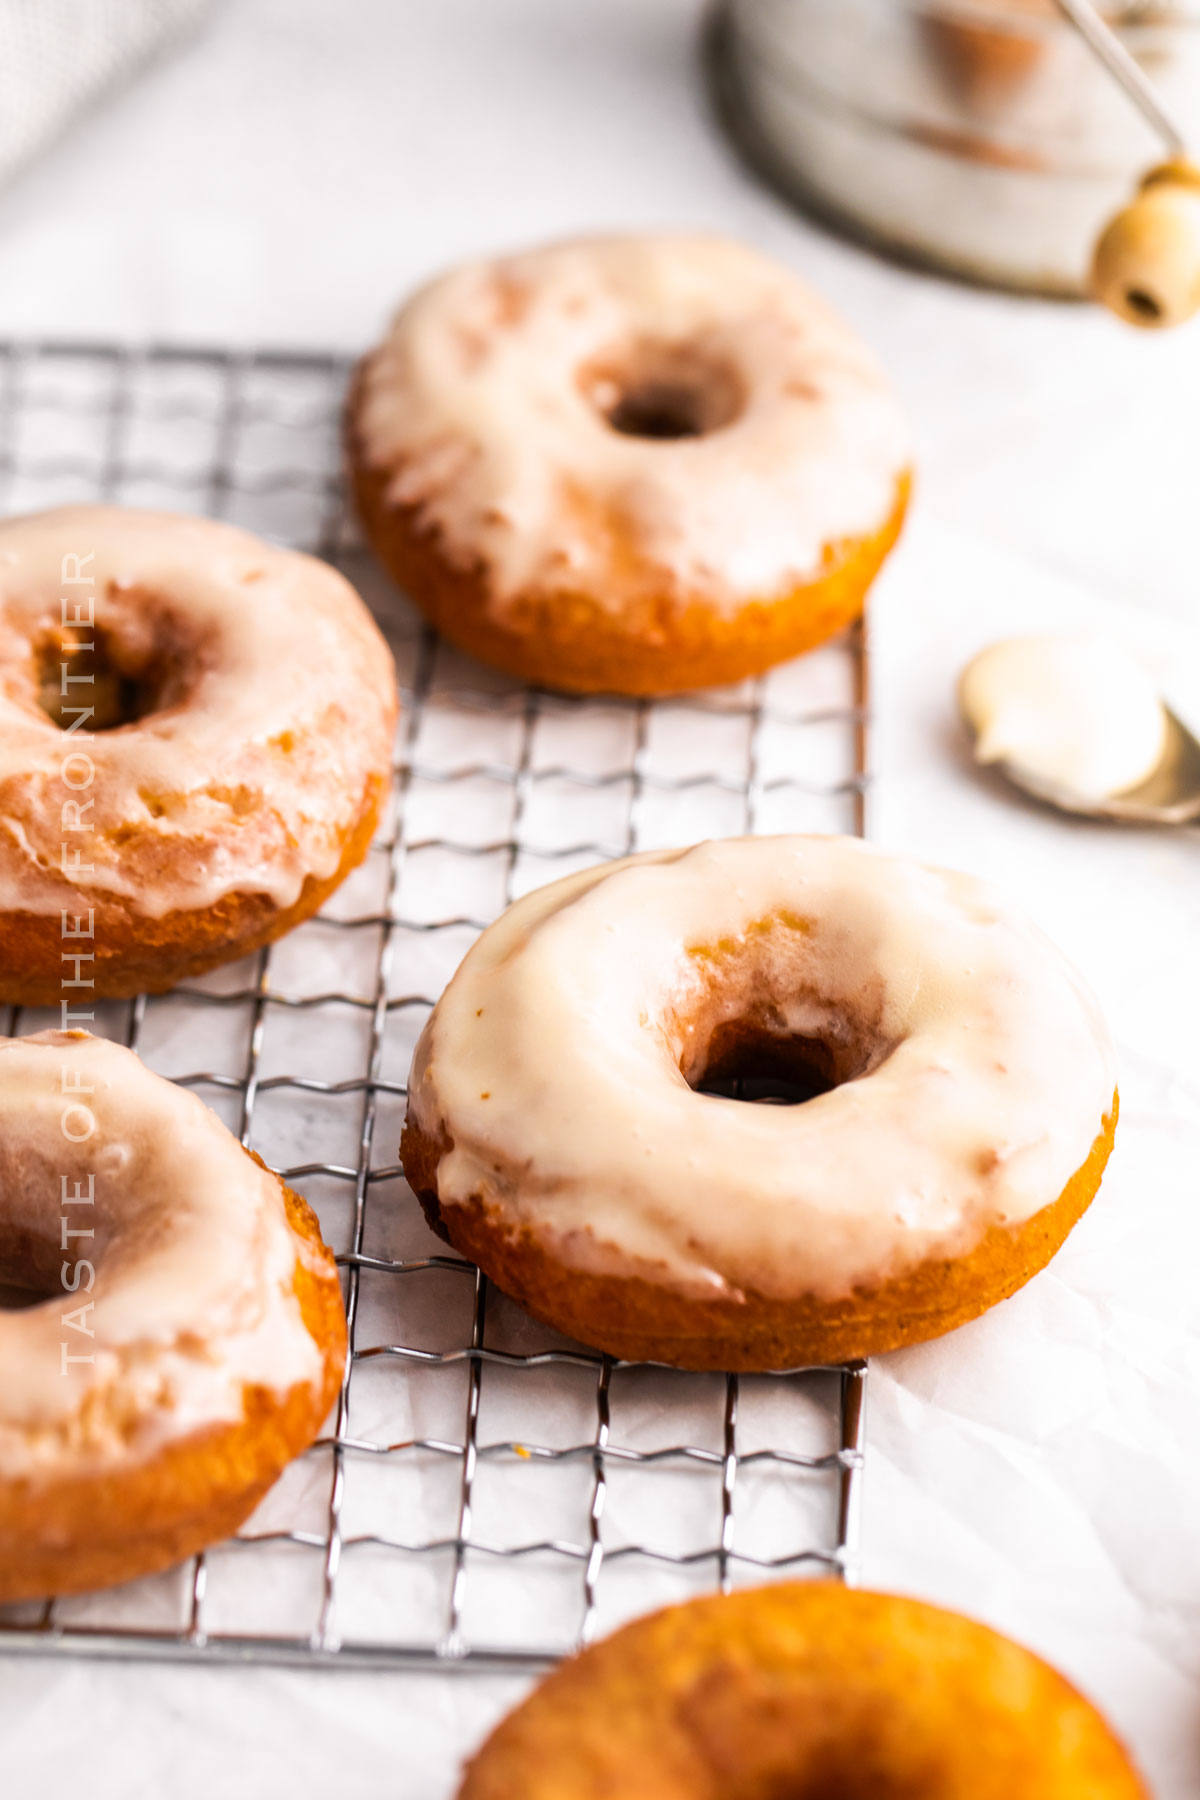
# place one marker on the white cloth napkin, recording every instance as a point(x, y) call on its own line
point(56, 56)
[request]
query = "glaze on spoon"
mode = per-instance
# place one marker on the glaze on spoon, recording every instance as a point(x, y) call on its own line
point(1078, 722)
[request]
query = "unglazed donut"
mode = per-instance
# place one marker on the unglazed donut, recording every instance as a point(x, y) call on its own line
point(630, 464)
point(195, 741)
point(963, 1111)
point(807, 1690)
point(194, 1336)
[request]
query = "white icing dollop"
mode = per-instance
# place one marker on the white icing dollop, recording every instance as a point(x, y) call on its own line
point(1073, 715)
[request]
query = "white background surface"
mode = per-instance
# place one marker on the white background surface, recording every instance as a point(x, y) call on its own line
point(285, 178)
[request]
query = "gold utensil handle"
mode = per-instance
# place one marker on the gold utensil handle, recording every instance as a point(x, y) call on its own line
point(1146, 266)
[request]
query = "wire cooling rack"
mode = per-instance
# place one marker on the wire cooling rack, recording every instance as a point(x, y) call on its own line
point(487, 1493)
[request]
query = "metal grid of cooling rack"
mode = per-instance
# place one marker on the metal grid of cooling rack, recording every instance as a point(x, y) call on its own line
point(487, 1494)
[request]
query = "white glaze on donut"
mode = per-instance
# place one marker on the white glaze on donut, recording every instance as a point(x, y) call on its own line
point(486, 407)
point(252, 780)
point(193, 1254)
point(552, 1067)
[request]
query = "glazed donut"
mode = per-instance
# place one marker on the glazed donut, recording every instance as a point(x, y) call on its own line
point(809, 1690)
point(962, 1110)
point(195, 742)
point(631, 464)
point(192, 1339)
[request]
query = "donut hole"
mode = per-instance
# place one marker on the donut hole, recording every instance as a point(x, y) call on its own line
point(744, 1061)
point(755, 1021)
point(16, 1297)
point(31, 1271)
point(664, 391)
point(122, 675)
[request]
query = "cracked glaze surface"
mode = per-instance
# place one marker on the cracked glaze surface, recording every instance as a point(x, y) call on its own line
point(194, 1262)
point(488, 407)
point(277, 705)
point(973, 1067)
